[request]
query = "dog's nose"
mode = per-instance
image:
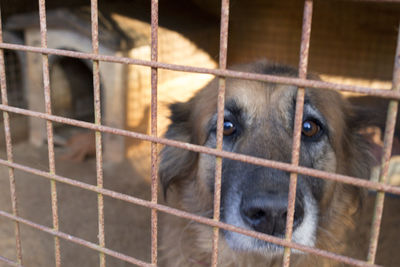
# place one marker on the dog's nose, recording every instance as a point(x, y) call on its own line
point(267, 213)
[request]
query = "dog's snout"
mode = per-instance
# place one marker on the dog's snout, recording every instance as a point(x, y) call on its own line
point(267, 213)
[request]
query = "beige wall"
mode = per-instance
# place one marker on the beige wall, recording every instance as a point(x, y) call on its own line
point(172, 86)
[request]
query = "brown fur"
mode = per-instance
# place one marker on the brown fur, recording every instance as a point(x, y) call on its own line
point(186, 175)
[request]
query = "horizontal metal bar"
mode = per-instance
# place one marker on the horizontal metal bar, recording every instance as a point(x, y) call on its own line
point(10, 262)
point(378, 1)
point(217, 72)
point(166, 209)
point(75, 240)
point(211, 151)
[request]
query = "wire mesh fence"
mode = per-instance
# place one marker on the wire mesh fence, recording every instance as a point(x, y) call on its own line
point(222, 73)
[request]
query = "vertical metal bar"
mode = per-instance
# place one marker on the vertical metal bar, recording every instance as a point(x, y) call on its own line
point(154, 150)
point(97, 121)
point(7, 134)
point(223, 49)
point(304, 48)
point(387, 151)
point(49, 126)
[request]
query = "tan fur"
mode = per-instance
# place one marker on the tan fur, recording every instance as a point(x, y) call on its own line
point(187, 243)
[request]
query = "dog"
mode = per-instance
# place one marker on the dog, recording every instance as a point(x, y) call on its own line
point(258, 121)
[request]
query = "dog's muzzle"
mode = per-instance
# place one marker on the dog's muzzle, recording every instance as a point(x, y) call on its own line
point(266, 212)
point(256, 198)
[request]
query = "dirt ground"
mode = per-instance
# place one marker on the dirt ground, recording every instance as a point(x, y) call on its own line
point(126, 226)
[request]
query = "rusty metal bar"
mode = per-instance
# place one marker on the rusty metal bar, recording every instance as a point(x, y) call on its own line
point(217, 72)
point(387, 151)
point(10, 262)
point(223, 50)
point(76, 240)
point(211, 151)
point(49, 127)
point(303, 63)
point(180, 213)
point(10, 157)
point(154, 150)
point(97, 121)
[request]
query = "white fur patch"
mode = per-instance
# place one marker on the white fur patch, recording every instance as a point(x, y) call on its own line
point(305, 232)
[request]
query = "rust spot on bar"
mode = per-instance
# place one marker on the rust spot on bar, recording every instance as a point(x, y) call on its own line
point(180, 213)
point(49, 127)
point(7, 134)
point(154, 150)
point(387, 150)
point(97, 120)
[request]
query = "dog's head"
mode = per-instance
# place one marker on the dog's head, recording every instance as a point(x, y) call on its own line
point(258, 121)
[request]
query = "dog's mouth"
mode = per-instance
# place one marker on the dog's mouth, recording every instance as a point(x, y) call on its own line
point(270, 219)
point(243, 243)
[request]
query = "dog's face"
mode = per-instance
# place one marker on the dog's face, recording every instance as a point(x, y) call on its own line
point(258, 121)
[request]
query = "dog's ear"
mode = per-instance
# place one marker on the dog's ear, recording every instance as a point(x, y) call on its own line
point(368, 113)
point(371, 111)
point(176, 163)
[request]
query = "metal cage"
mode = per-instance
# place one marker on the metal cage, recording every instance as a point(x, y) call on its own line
point(222, 73)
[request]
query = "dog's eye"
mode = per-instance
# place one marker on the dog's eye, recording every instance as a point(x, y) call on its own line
point(310, 128)
point(229, 128)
